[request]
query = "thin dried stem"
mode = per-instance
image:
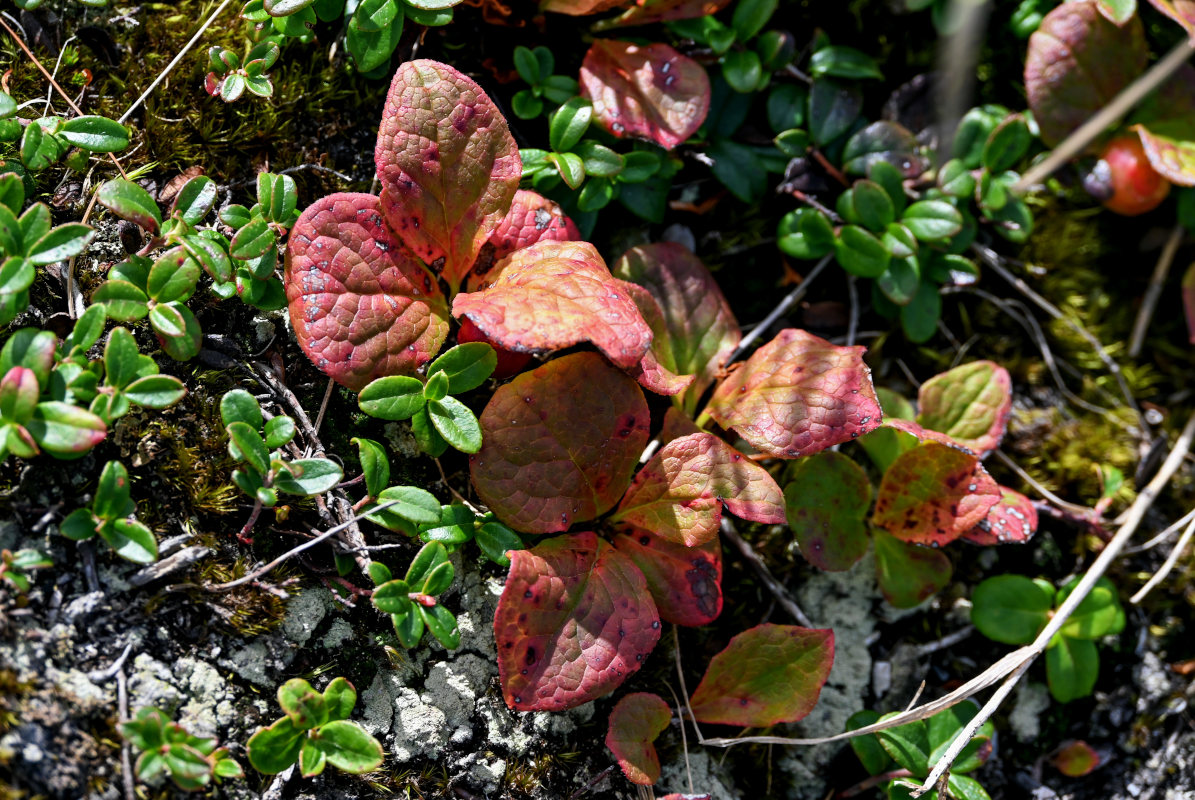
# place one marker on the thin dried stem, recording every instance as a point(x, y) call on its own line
point(784, 305)
point(1154, 291)
point(783, 598)
point(1171, 560)
point(1042, 490)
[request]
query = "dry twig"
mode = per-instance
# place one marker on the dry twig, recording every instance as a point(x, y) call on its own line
point(783, 598)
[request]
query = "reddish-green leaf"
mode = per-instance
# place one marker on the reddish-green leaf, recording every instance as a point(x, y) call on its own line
point(685, 582)
point(700, 329)
point(532, 218)
point(560, 443)
point(1167, 125)
point(634, 725)
point(969, 403)
point(797, 395)
point(1077, 63)
point(649, 11)
point(361, 305)
point(64, 429)
point(652, 92)
point(1181, 11)
point(650, 371)
point(553, 295)
point(574, 621)
point(680, 492)
point(448, 165)
point(909, 574)
point(826, 502)
point(933, 494)
point(1012, 519)
point(579, 8)
point(767, 675)
point(1074, 759)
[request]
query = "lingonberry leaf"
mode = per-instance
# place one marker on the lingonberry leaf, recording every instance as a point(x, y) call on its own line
point(1012, 519)
point(574, 621)
point(796, 395)
point(701, 331)
point(767, 675)
point(685, 582)
point(531, 218)
point(632, 730)
point(969, 403)
point(909, 574)
point(679, 493)
point(652, 92)
point(553, 295)
point(826, 502)
point(448, 166)
point(362, 306)
point(650, 371)
point(933, 494)
point(560, 443)
point(1181, 11)
point(1167, 125)
point(1077, 63)
point(650, 11)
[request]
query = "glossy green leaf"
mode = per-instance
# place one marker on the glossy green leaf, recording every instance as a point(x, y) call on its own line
point(843, 62)
point(1072, 667)
point(309, 476)
point(273, 749)
point(374, 463)
point(1011, 609)
point(97, 134)
point(131, 540)
point(348, 747)
point(395, 397)
point(60, 243)
point(1099, 614)
point(240, 406)
point(65, 430)
point(129, 201)
point(861, 252)
point(909, 574)
point(416, 505)
point(245, 444)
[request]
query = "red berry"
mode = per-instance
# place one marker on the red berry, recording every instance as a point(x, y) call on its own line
point(1137, 188)
point(509, 362)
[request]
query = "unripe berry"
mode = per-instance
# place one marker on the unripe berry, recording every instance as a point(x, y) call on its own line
point(1136, 186)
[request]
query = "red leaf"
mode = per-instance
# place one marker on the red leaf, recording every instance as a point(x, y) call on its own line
point(680, 492)
point(909, 574)
point(796, 395)
point(560, 443)
point(553, 295)
point(650, 371)
point(1181, 11)
point(685, 582)
point(922, 434)
point(532, 218)
point(448, 165)
point(634, 725)
point(676, 425)
point(1012, 519)
point(699, 331)
point(361, 305)
point(767, 675)
point(826, 503)
point(574, 620)
point(1167, 124)
point(652, 92)
point(933, 494)
point(648, 11)
point(1076, 759)
point(578, 8)
point(969, 403)
point(1077, 63)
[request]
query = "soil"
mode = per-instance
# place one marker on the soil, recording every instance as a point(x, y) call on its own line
point(213, 660)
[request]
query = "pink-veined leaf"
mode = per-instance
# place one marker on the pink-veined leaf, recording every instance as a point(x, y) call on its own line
point(532, 218)
point(553, 295)
point(1181, 11)
point(969, 403)
point(650, 371)
point(1166, 125)
point(580, 8)
point(1075, 759)
point(909, 574)
point(645, 12)
point(448, 166)
point(361, 305)
point(560, 443)
point(1012, 519)
point(826, 501)
point(652, 91)
point(700, 331)
point(634, 724)
point(680, 492)
point(1077, 63)
point(685, 582)
point(767, 675)
point(796, 395)
point(933, 494)
point(574, 620)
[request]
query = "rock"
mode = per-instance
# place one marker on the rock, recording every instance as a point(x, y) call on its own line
point(304, 614)
point(1032, 700)
point(708, 777)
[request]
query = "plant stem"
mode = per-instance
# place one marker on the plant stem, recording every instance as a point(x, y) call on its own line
point(1154, 291)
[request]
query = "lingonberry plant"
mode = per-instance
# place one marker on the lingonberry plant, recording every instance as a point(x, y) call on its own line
point(191, 762)
point(111, 518)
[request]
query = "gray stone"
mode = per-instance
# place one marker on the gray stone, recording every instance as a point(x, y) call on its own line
point(1032, 700)
point(304, 614)
point(708, 777)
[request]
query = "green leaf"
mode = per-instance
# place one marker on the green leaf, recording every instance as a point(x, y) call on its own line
point(392, 398)
point(408, 628)
point(245, 444)
point(456, 423)
point(786, 106)
point(112, 493)
point(873, 206)
point(65, 430)
point(750, 16)
point(825, 501)
point(599, 160)
point(12, 192)
point(302, 704)
point(284, 199)
point(1099, 614)
point(1007, 144)
point(273, 749)
point(186, 346)
point(253, 240)
point(279, 431)
point(121, 300)
point(1072, 667)
point(38, 148)
point(309, 476)
point(1011, 609)
point(861, 253)
point(429, 557)
point(570, 166)
point(97, 134)
point(426, 436)
point(527, 65)
point(348, 747)
point(742, 70)
point(467, 366)
point(908, 745)
point(833, 107)
point(16, 275)
point(442, 625)
point(374, 463)
point(871, 754)
point(963, 787)
point(282, 8)
point(526, 105)
point(900, 281)
point(88, 329)
point(172, 277)
point(18, 396)
point(414, 504)
point(167, 322)
point(436, 387)
point(129, 201)
point(79, 525)
point(240, 406)
point(567, 124)
point(909, 574)
point(955, 179)
point(195, 200)
point(312, 760)
point(339, 698)
point(130, 540)
point(932, 220)
point(60, 243)
point(843, 62)
point(972, 134)
point(806, 233)
point(738, 169)
point(437, 580)
point(391, 597)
